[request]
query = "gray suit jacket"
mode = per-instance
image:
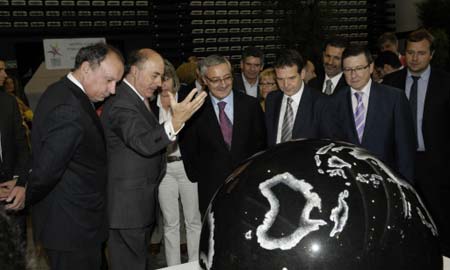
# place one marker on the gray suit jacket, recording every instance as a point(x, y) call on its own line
point(136, 144)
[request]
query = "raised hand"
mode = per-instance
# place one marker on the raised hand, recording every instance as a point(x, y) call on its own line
point(182, 111)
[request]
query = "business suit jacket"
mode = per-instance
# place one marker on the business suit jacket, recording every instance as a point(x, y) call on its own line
point(389, 128)
point(317, 83)
point(305, 123)
point(136, 144)
point(207, 158)
point(15, 151)
point(238, 85)
point(68, 181)
point(436, 133)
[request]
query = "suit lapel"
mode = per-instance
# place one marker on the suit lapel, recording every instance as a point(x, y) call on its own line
point(277, 108)
point(137, 101)
point(374, 100)
point(303, 108)
point(86, 104)
point(353, 136)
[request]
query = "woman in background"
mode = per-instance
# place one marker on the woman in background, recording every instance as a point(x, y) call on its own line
point(175, 184)
point(267, 84)
point(11, 86)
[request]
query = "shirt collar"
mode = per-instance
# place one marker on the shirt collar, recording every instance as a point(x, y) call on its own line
point(335, 79)
point(365, 90)
point(425, 75)
point(296, 97)
point(134, 89)
point(246, 82)
point(75, 81)
point(227, 99)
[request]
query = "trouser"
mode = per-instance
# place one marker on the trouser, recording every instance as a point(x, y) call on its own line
point(86, 259)
point(128, 248)
point(174, 185)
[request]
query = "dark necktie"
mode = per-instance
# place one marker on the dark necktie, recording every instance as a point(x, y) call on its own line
point(413, 100)
point(225, 124)
point(328, 87)
point(288, 122)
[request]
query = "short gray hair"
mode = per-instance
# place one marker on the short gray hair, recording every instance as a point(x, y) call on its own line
point(212, 60)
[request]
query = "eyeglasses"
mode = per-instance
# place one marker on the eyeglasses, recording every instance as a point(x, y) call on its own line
point(356, 69)
point(216, 81)
point(267, 84)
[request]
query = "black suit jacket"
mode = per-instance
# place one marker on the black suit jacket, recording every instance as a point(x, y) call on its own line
point(317, 83)
point(68, 180)
point(388, 131)
point(136, 145)
point(305, 125)
point(207, 158)
point(238, 85)
point(15, 150)
point(436, 134)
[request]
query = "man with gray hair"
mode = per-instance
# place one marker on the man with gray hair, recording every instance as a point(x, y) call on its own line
point(228, 129)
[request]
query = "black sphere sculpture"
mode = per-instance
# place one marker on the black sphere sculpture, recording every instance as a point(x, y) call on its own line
point(317, 204)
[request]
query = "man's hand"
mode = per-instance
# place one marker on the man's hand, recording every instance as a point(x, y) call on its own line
point(181, 112)
point(16, 199)
point(6, 188)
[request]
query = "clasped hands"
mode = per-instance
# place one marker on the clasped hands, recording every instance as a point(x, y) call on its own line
point(11, 195)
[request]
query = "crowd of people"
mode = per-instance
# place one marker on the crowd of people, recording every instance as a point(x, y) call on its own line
point(161, 145)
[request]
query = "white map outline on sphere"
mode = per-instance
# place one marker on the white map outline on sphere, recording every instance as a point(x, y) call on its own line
point(340, 220)
point(305, 224)
point(208, 259)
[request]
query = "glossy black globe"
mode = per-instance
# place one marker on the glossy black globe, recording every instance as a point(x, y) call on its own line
point(317, 204)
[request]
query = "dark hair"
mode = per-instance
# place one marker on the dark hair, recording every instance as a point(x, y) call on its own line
point(419, 35)
point(136, 58)
point(253, 51)
point(387, 37)
point(387, 58)
point(289, 58)
point(356, 50)
point(336, 41)
point(95, 54)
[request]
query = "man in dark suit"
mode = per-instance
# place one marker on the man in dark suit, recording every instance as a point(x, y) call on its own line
point(68, 182)
point(291, 112)
point(428, 90)
point(227, 130)
point(333, 80)
point(136, 145)
point(14, 162)
point(373, 116)
point(252, 63)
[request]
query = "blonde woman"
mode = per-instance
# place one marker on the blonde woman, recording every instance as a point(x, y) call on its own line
point(175, 184)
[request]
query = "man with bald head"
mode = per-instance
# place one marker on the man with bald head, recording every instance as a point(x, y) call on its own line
point(136, 145)
point(67, 185)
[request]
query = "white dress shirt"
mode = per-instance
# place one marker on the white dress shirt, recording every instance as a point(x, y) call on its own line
point(296, 98)
point(334, 82)
point(365, 98)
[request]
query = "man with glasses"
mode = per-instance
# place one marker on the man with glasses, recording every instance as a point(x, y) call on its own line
point(228, 129)
point(373, 116)
point(290, 113)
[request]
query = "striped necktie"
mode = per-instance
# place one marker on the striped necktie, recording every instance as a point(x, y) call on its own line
point(328, 87)
point(286, 128)
point(359, 116)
